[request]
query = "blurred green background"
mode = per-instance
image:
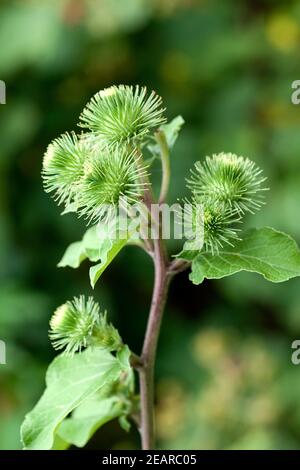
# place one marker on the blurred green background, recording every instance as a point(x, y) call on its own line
point(224, 373)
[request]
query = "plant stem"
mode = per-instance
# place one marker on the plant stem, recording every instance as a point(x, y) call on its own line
point(146, 372)
point(162, 278)
point(178, 265)
point(165, 160)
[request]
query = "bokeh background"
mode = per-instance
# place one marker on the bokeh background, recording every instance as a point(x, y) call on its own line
point(224, 372)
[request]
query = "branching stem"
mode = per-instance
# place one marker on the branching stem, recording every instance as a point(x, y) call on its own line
point(163, 273)
point(146, 372)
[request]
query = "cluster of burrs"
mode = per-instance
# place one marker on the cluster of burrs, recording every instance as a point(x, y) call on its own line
point(226, 187)
point(102, 166)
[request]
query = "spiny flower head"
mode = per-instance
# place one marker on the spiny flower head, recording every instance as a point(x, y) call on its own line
point(110, 178)
point(122, 114)
point(72, 324)
point(63, 166)
point(229, 179)
point(78, 324)
point(219, 225)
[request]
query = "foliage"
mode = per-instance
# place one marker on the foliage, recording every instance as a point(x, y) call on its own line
point(234, 98)
point(119, 120)
point(70, 381)
point(266, 251)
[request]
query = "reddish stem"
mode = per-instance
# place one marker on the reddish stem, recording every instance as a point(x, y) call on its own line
point(146, 372)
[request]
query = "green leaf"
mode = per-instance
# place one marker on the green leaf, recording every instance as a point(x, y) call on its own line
point(108, 250)
point(171, 131)
point(73, 256)
point(128, 376)
point(91, 243)
point(87, 418)
point(266, 251)
point(107, 404)
point(69, 381)
point(100, 242)
point(59, 443)
point(124, 423)
point(77, 252)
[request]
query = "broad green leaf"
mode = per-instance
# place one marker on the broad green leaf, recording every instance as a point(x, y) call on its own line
point(87, 418)
point(73, 256)
point(107, 404)
point(69, 381)
point(266, 251)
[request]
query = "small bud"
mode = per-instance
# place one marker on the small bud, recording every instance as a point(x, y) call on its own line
point(106, 335)
point(73, 323)
point(78, 324)
point(122, 114)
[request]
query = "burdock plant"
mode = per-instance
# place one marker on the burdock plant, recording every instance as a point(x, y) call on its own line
point(101, 174)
